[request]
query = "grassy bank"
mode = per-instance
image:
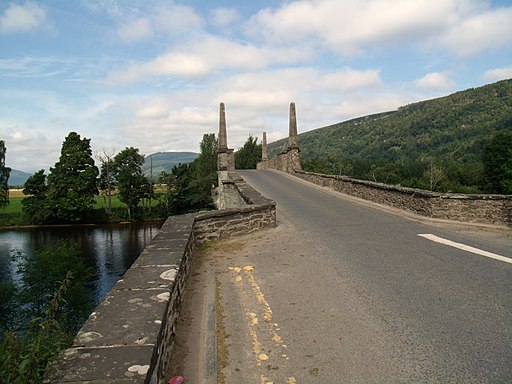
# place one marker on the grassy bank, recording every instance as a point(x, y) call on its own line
point(13, 214)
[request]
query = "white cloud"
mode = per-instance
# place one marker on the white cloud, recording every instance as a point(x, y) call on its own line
point(224, 17)
point(480, 32)
point(435, 82)
point(201, 57)
point(136, 30)
point(351, 27)
point(20, 142)
point(176, 19)
point(153, 109)
point(497, 74)
point(149, 21)
point(268, 91)
point(22, 18)
point(255, 101)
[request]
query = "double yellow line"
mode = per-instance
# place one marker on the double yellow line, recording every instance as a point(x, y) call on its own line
point(267, 344)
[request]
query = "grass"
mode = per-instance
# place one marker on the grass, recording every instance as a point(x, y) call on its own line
point(17, 196)
point(14, 206)
point(13, 215)
point(101, 202)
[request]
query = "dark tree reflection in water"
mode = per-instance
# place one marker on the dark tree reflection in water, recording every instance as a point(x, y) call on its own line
point(110, 250)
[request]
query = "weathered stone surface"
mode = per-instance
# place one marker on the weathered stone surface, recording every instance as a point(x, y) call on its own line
point(223, 137)
point(117, 364)
point(485, 209)
point(131, 335)
point(293, 139)
point(125, 318)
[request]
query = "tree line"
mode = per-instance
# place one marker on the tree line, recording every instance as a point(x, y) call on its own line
point(68, 193)
point(493, 174)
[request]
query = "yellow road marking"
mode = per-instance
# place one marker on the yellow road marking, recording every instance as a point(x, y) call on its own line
point(253, 321)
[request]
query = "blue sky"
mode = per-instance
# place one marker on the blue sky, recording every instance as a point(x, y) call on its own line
point(151, 74)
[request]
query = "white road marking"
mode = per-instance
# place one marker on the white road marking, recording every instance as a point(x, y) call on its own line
point(465, 247)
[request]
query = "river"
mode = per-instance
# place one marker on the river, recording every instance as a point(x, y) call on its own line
point(109, 249)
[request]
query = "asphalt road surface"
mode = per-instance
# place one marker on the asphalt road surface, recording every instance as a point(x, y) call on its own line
point(345, 292)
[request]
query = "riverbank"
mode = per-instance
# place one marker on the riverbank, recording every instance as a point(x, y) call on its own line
point(13, 217)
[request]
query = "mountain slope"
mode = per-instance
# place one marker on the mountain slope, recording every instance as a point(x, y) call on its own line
point(17, 178)
point(450, 130)
point(165, 161)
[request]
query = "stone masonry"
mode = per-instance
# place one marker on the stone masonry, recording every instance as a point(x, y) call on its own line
point(130, 336)
point(485, 209)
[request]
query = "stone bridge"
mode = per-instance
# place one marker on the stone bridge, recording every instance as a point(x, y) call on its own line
point(130, 336)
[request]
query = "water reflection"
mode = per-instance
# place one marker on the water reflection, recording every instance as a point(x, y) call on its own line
point(109, 250)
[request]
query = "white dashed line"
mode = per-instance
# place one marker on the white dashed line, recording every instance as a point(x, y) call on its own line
point(464, 247)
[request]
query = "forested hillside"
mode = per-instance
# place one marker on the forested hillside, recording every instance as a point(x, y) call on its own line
point(440, 140)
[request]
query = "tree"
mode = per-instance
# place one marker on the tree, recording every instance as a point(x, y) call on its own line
point(249, 155)
point(203, 174)
point(46, 307)
point(41, 274)
point(36, 204)
point(189, 185)
point(435, 174)
point(497, 159)
point(4, 177)
point(133, 185)
point(206, 163)
point(107, 180)
point(178, 193)
point(73, 181)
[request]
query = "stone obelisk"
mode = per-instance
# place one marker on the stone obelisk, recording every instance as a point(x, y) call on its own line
point(293, 141)
point(223, 137)
point(225, 156)
point(264, 156)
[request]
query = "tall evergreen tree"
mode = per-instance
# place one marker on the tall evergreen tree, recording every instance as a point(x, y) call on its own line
point(4, 177)
point(73, 182)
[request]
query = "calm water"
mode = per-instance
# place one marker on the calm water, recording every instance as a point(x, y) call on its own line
point(109, 250)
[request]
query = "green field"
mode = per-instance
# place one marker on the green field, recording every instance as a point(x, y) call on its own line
point(15, 205)
point(13, 214)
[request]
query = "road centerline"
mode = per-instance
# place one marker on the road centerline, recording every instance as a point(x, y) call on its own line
point(465, 247)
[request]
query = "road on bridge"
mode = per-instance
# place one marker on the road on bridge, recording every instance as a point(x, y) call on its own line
point(346, 292)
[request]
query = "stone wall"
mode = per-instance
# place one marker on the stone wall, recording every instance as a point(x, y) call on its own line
point(288, 162)
point(130, 336)
point(484, 209)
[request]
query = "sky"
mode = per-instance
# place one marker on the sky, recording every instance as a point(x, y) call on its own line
point(151, 74)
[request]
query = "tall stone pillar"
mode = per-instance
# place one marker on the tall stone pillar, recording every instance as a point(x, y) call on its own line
point(293, 140)
point(264, 156)
point(225, 195)
point(222, 146)
point(225, 156)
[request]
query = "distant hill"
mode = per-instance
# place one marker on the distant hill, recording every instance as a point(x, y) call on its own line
point(162, 162)
point(450, 131)
point(18, 178)
point(165, 161)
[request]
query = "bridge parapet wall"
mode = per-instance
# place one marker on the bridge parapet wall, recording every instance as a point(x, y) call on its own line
point(287, 161)
point(484, 209)
point(130, 336)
